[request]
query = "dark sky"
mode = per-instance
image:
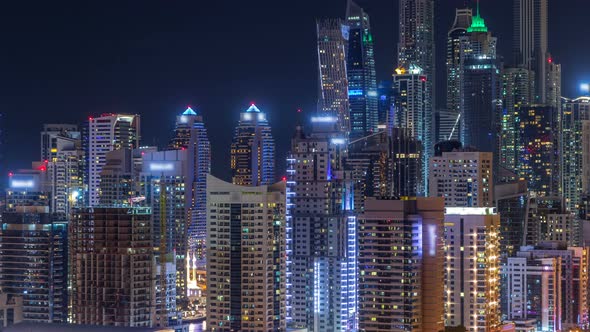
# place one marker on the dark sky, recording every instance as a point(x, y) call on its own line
point(64, 61)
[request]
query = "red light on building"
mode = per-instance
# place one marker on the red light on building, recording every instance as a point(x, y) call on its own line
point(10, 174)
point(423, 79)
point(43, 169)
point(284, 179)
point(550, 60)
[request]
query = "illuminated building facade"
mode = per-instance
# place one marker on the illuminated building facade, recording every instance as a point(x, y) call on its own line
point(56, 137)
point(360, 69)
point(553, 84)
point(413, 110)
point(447, 125)
point(246, 266)
point(533, 296)
point(575, 115)
point(321, 230)
point(386, 163)
point(253, 150)
point(511, 201)
point(537, 149)
point(385, 108)
point(530, 19)
point(26, 188)
point(190, 134)
point(480, 90)
point(536, 221)
point(113, 276)
point(472, 268)
point(332, 37)
point(517, 91)
point(463, 178)
point(104, 134)
point(416, 42)
point(33, 262)
point(164, 182)
point(396, 237)
point(454, 70)
point(572, 281)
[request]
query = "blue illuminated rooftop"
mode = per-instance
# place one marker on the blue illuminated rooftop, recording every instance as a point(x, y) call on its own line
point(189, 111)
point(253, 108)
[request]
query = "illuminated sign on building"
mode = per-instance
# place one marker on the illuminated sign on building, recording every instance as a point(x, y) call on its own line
point(22, 184)
point(355, 92)
point(323, 119)
point(161, 167)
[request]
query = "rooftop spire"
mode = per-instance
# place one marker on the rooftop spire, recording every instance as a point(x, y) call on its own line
point(477, 24)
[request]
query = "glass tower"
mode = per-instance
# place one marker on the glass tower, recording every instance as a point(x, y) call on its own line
point(362, 81)
point(253, 150)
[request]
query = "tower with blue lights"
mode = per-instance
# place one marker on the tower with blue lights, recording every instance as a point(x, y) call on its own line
point(360, 69)
point(321, 230)
point(253, 150)
point(190, 134)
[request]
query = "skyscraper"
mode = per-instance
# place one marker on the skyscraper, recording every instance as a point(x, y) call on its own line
point(253, 150)
point(530, 41)
point(575, 113)
point(112, 276)
point(362, 80)
point(401, 260)
point(472, 268)
point(321, 230)
point(246, 268)
point(104, 134)
point(54, 136)
point(533, 295)
point(413, 111)
point(480, 91)
point(163, 182)
point(537, 148)
point(33, 262)
point(416, 38)
point(553, 84)
point(332, 37)
point(517, 91)
point(511, 201)
point(190, 134)
point(463, 178)
point(454, 70)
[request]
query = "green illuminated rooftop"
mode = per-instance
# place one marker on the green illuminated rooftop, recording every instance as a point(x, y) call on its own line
point(477, 23)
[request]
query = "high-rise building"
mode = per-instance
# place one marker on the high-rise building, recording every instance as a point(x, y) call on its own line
point(572, 281)
point(472, 268)
point(511, 202)
point(536, 222)
point(332, 37)
point(416, 40)
point(575, 113)
point(517, 91)
point(385, 111)
point(253, 150)
point(553, 84)
point(104, 134)
point(463, 178)
point(480, 89)
point(454, 69)
point(321, 230)
point(401, 259)
point(26, 188)
point(113, 276)
point(246, 270)
point(360, 69)
point(537, 154)
point(190, 134)
point(163, 183)
point(413, 111)
point(55, 136)
point(33, 262)
point(118, 178)
point(530, 41)
point(532, 296)
point(386, 163)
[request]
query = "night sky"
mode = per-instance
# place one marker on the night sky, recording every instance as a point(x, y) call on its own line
point(61, 62)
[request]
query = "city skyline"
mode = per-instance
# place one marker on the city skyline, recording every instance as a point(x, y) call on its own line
point(141, 56)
